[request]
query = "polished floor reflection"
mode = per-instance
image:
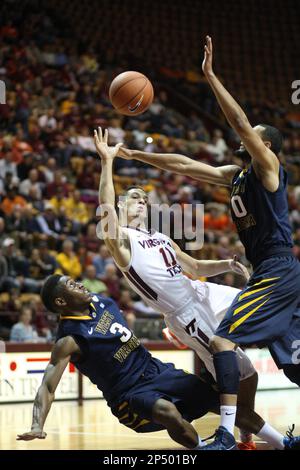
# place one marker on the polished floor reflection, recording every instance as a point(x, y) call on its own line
point(92, 426)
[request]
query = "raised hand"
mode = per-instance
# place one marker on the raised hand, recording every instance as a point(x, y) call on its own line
point(105, 152)
point(208, 56)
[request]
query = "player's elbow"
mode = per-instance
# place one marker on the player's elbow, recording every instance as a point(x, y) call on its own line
point(241, 124)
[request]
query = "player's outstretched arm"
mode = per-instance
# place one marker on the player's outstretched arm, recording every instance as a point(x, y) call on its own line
point(236, 117)
point(61, 355)
point(207, 268)
point(183, 165)
point(113, 235)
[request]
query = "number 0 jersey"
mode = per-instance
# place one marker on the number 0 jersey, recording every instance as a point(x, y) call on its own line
point(261, 216)
point(112, 357)
point(154, 273)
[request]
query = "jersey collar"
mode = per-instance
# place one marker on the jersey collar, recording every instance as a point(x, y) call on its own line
point(79, 317)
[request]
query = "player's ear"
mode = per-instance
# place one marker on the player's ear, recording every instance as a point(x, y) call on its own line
point(268, 144)
point(60, 302)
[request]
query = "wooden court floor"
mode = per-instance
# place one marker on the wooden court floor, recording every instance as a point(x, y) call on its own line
point(92, 426)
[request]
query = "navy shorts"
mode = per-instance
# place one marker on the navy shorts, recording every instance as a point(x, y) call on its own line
point(263, 311)
point(192, 397)
point(286, 350)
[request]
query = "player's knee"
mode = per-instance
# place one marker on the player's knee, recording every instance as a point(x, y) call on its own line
point(292, 372)
point(166, 413)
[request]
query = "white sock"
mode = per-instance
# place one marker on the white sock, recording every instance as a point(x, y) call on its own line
point(228, 417)
point(245, 436)
point(200, 444)
point(273, 437)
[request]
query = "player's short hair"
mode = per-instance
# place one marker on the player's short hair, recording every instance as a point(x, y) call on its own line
point(50, 291)
point(274, 136)
point(125, 193)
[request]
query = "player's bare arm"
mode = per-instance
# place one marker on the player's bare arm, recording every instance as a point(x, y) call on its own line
point(60, 357)
point(114, 237)
point(265, 162)
point(207, 268)
point(183, 165)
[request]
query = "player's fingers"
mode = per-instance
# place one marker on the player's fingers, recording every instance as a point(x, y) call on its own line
point(106, 136)
point(96, 139)
point(118, 146)
point(100, 134)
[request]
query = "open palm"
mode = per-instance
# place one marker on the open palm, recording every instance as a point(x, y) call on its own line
point(105, 152)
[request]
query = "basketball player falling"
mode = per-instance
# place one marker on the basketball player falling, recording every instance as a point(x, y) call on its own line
point(267, 312)
point(152, 264)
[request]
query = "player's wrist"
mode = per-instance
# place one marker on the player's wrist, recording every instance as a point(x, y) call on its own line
point(209, 75)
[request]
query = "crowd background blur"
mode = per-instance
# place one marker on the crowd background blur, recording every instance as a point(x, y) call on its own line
point(57, 59)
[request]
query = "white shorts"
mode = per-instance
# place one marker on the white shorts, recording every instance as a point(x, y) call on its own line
point(196, 323)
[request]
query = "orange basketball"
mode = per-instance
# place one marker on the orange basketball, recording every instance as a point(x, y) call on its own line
point(131, 93)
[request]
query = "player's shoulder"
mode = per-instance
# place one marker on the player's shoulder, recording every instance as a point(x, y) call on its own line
point(64, 347)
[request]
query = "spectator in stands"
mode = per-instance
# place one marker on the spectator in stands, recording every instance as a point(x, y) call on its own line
point(90, 240)
point(48, 223)
point(31, 182)
point(12, 200)
point(216, 217)
point(101, 260)
point(91, 282)
point(3, 233)
point(7, 165)
point(76, 210)
point(49, 261)
point(23, 331)
point(68, 261)
point(112, 281)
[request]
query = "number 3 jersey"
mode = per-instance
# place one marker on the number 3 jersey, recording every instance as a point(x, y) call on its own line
point(112, 356)
point(261, 216)
point(154, 272)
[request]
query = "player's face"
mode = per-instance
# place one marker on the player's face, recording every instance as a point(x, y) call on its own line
point(136, 204)
point(75, 292)
point(242, 152)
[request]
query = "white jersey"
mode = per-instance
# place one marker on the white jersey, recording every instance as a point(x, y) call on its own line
point(154, 273)
point(192, 309)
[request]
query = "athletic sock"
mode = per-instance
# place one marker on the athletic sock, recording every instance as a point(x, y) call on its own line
point(273, 437)
point(228, 417)
point(228, 379)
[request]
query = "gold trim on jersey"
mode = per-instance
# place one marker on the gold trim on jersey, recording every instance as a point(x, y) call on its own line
point(142, 422)
point(242, 319)
point(266, 280)
point(135, 420)
point(122, 406)
point(75, 317)
point(250, 292)
point(253, 301)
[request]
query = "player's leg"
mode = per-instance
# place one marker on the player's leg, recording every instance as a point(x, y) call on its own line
point(260, 313)
point(180, 430)
point(246, 397)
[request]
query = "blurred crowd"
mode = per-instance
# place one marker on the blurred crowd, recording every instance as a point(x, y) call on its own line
point(49, 173)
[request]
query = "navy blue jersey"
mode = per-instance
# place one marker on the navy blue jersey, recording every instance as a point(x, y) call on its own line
point(261, 217)
point(112, 357)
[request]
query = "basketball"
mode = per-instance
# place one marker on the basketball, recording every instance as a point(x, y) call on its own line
point(131, 93)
